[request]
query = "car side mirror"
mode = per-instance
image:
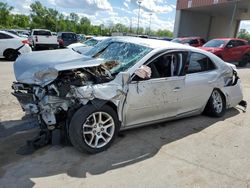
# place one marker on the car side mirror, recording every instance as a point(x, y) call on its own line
point(229, 46)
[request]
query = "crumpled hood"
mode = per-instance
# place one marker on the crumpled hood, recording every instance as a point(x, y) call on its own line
point(41, 68)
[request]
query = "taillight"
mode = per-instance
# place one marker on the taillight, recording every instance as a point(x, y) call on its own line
point(25, 41)
point(60, 41)
point(36, 38)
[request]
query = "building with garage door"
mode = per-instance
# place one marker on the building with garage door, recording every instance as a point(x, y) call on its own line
point(210, 18)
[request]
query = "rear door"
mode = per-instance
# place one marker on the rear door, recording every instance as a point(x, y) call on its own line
point(232, 52)
point(160, 96)
point(241, 48)
point(201, 73)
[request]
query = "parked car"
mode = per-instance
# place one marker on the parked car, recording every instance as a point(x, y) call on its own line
point(122, 83)
point(42, 39)
point(192, 41)
point(80, 37)
point(11, 45)
point(66, 38)
point(94, 40)
point(11, 31)
point(229, 49)
point(79, 47)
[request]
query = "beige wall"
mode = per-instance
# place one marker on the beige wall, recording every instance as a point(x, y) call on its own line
point(221, 27)
point(188, 23)
point(191, 24)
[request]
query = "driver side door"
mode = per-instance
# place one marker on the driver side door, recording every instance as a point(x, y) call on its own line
point(159, 97)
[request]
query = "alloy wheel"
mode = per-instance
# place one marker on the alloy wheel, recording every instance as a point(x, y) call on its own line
point(217, 101)
point(98, 129)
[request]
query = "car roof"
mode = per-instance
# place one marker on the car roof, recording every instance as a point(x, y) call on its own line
point(151, 43)
point(229, 39)
point(99, 38)
point(66, 32)
point(41, 30)
point(189, 38)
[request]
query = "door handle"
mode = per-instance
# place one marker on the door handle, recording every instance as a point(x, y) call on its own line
point(176, 89)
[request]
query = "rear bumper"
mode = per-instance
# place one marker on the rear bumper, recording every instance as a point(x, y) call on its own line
point(25, 49)
point(234, 94)
point(55, 46)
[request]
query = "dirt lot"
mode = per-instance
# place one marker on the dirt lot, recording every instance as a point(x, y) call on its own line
point(193, 152)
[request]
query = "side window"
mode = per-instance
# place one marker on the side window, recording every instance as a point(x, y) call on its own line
point(194, 41)
point(240, 43)
point(1, 36)
point(199, 63)
point(4, 36)
point(232, 43)
point(202, 41)
point(167, 65)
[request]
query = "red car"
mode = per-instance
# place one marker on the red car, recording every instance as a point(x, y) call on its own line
point(192, 41)
point(229, 49)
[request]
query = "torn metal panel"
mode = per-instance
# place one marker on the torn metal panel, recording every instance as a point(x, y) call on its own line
point(114, 91)
point(233, 94)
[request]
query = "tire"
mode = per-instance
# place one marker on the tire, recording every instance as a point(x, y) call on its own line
point(10, 54)
point(89, 135)
point(216, 105)
point(244, 61)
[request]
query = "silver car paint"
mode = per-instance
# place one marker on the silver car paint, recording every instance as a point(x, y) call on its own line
point(134, 100)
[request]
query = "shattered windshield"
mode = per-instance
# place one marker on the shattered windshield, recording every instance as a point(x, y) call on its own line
point(121, 54)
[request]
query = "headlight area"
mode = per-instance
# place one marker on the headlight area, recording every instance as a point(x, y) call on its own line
point(43, 102)
point(26, 98)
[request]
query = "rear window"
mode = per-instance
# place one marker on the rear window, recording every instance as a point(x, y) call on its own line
point(5, 36)
point(42, 33)
point(69, 36)
point(199, 63)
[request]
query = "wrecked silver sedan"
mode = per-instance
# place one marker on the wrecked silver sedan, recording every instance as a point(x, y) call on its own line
point(121, 83)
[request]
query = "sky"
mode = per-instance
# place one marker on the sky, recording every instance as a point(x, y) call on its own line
point(110, 12)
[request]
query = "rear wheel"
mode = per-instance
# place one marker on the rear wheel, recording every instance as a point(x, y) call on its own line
point(11, 54)
point(216, 105)
point(93, 130)
point(244, 61)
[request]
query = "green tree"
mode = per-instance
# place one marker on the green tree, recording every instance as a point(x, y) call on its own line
point(5, 16)
point(243, 34)
point(21, 21)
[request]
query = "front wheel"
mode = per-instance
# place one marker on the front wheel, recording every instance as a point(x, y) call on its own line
point(216, 105)
point(93, 130)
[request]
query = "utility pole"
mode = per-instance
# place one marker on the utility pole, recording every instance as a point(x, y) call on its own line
point(232, 18)
point(130, 28)
point(150, 14)
point(138, 23)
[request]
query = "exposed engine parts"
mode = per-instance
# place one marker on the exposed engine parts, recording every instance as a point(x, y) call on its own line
point(58, 96)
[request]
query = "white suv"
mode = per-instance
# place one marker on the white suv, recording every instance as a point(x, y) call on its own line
point(12, 45)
